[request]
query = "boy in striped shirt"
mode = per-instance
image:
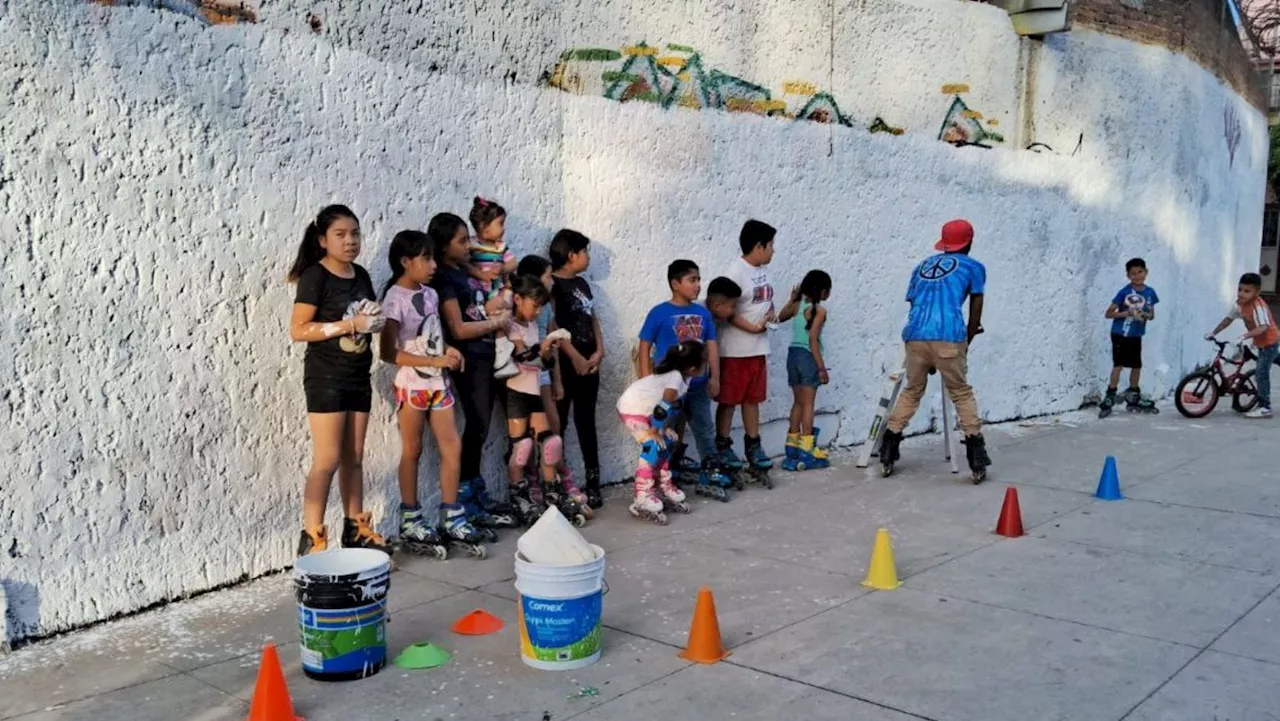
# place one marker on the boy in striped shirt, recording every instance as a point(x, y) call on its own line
point(1261, 328)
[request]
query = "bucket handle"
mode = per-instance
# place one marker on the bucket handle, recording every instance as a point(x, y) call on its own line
point(604, 583)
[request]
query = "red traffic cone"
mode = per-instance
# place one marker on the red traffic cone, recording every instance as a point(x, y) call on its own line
point(1010, 523)
point(271, 700)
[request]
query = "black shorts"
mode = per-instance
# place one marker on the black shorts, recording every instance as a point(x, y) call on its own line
point(522, 405)
point(326, 395)
point(1126, 352)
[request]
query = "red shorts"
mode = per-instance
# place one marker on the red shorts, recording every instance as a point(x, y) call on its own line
point(743, 380)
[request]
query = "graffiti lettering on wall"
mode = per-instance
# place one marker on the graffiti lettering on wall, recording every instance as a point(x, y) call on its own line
point(964, 126)
point(677, 76)
point(1231, 131)
point(880, 126)
point(209, 12)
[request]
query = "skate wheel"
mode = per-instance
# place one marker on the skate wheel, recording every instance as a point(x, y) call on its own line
point(579, 520)
point(479, 552)
point(886, 471)
point(979, 477)
point(801, 466)
point(441, 553)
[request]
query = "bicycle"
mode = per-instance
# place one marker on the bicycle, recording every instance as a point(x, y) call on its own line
point(1198, 393)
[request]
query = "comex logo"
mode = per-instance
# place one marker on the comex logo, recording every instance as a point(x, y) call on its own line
point(544, 606)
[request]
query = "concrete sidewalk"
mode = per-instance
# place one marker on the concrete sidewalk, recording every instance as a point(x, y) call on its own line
point(1161, 606)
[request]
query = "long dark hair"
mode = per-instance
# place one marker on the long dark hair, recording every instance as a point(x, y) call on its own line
point(815, 283)
point(681, 356)
point(310, 252)
point(441, 229)
point(484, 212)
point(407, 245)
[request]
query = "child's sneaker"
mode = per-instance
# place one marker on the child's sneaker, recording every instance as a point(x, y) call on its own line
point(313, 540)
point(1259, 412)
point(357, 533)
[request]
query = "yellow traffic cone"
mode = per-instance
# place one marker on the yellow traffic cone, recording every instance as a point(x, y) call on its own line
point(882, 575)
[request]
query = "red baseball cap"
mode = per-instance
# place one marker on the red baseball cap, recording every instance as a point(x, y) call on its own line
point(956, 235)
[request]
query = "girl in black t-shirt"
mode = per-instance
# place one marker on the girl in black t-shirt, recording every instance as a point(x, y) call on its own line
point(470, 323)
point(334, 313)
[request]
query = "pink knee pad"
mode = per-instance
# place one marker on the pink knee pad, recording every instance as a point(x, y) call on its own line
point(521, 450)
point(552, 449)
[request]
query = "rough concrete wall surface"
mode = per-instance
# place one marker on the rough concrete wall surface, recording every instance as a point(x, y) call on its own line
point(157, 166)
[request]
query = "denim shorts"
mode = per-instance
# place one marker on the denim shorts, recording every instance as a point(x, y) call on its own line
point(802, 368)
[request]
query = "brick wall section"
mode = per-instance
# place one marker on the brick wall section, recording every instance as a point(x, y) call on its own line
point(1192, 27)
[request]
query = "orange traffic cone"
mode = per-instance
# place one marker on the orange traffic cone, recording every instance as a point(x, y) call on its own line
point(271, 695)
point(704, 634)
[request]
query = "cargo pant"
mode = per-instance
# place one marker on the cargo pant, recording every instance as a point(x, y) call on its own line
point(951, 360)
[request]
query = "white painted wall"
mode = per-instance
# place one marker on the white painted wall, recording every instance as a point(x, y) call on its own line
point(156, 173)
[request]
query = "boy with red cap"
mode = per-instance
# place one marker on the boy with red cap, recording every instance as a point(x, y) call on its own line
point(938, 338)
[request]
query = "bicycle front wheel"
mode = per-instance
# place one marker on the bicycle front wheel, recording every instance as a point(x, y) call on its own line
point(1196, 395)
point(1244, 399)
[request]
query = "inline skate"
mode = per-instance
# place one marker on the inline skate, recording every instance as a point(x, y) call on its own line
point(529, 499)
point(806, 456)
point(685, 470)
point(976, 450)
point(889, 454)
point(571, 502)
point(594, 499)
point(458, 531)
point(729, 462)
point(672, 497)
point(419, 537)
point(647, 505)
point(712, 483)
point(486, 514)
point(758, 462)
point(1108, 402)
point(1135, 403)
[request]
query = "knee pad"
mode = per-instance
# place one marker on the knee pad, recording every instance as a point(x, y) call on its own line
point(521, 450)
point(552, 447)
point(651, 453)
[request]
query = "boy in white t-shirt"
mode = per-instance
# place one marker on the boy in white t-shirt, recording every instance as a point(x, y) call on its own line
point(744, 348)
point(649, 408)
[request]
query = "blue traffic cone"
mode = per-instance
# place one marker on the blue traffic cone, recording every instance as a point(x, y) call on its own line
point(1109, 484)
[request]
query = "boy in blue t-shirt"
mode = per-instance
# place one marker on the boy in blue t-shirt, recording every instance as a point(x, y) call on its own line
point(668, 324)
point(1129, 312)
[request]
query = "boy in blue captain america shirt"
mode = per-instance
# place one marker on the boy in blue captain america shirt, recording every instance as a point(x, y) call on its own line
point(680, 320)
point(937, 338)
point(1130, 311)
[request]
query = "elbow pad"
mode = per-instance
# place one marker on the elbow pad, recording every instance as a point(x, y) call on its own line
point(665, 414)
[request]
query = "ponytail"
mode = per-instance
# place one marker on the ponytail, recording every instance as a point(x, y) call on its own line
point(484, 212)
point(310, 251)
point(407, 245)
point(815, 284)
point(682, 356)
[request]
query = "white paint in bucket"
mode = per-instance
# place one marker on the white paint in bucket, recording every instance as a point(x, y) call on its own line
point(559, 609)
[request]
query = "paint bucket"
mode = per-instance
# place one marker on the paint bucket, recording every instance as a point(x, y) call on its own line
point(342, 612)
point(558, 610)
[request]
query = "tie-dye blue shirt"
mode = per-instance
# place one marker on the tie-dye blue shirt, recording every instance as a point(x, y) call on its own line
point(939, 286)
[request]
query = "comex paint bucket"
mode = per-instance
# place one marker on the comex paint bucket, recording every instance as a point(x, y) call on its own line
point(559, 612)
point(342, 612)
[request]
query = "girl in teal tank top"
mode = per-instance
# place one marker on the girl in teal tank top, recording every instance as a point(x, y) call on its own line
point(806, 370)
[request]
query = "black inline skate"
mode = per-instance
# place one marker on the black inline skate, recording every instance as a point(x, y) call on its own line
point(594, 499)
point(758, 462)
point(1108, 402)
point(889, 454)
point(684, 469)
point(529, 499)
point(1135, 403)
point(571, 502)
point(458, 531)
point(358, 532)
point(976, 450)
point(419, 537)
